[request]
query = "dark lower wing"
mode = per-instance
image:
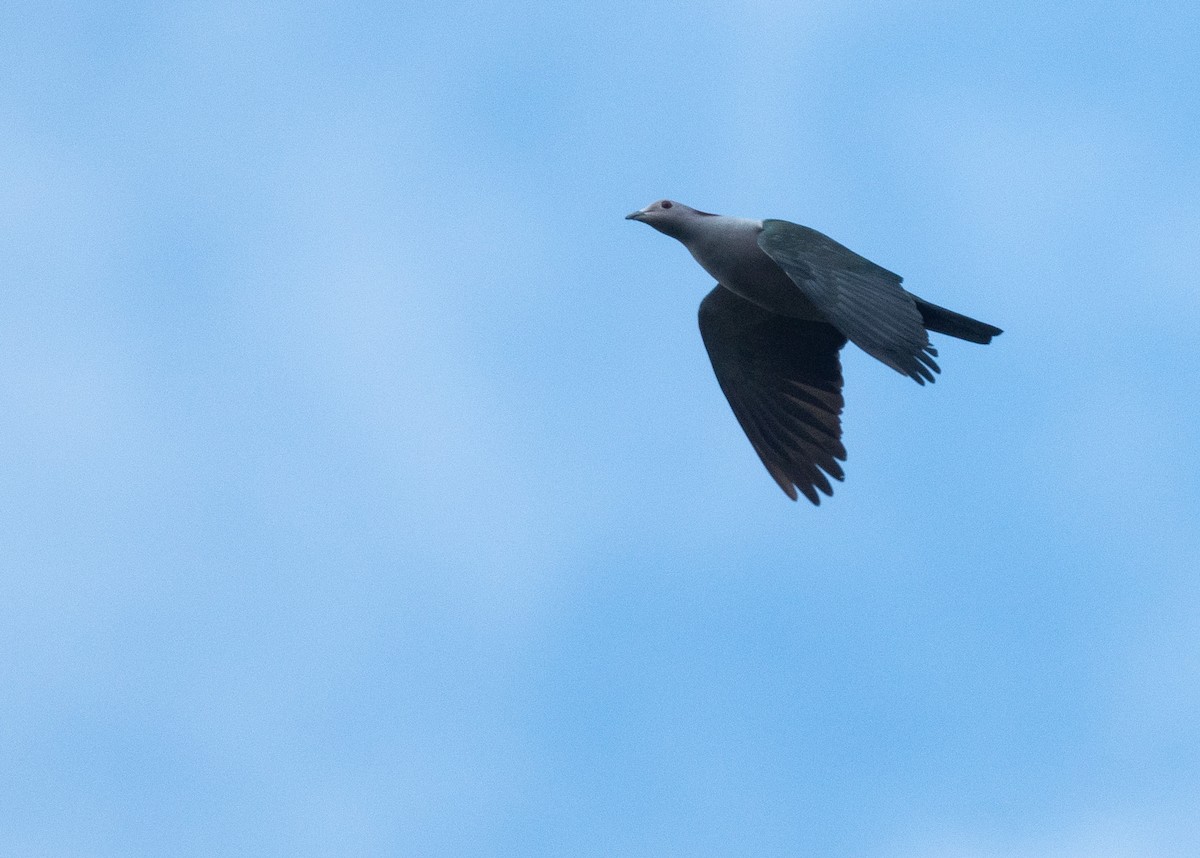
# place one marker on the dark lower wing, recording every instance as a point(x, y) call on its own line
point(783, 379)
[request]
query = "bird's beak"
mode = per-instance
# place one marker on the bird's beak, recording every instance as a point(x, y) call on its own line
point(638, 215)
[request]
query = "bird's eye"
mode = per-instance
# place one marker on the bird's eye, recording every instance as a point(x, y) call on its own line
point(666, 204)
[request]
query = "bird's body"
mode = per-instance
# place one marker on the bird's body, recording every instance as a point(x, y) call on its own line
point(727, 248)
point(787, 299)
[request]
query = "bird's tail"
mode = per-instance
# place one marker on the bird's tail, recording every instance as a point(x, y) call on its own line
point(943, 321)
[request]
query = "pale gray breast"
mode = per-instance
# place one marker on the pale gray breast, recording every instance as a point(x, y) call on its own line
point(727, 248)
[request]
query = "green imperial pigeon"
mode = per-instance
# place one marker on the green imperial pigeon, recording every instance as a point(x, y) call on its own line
point(787, 299)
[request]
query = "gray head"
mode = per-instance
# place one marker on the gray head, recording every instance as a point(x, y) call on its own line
point(669, 217)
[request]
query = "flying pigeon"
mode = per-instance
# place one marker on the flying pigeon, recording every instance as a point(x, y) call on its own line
point(787, 298)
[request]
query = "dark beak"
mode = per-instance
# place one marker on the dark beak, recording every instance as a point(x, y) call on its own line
point(638, 215)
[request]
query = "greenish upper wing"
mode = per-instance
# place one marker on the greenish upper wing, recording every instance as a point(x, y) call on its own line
point(862, 300)
point(783, 380)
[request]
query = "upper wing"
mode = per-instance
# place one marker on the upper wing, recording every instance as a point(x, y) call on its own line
point(862, 300)
point(783, 379)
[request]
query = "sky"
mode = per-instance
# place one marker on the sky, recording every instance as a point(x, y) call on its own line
point(365, 489)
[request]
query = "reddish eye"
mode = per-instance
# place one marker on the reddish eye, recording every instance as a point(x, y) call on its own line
point(666, 204)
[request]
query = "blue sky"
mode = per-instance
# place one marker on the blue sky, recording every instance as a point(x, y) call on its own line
point(366, 489)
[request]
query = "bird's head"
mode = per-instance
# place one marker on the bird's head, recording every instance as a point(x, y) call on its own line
point(669, 217)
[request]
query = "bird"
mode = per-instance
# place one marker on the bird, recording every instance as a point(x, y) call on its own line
point(787, 300)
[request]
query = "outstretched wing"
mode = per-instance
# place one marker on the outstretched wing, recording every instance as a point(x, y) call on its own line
point(862, 300)
point(783, 380)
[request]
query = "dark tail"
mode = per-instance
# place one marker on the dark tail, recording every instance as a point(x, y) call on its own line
point(943, 321)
